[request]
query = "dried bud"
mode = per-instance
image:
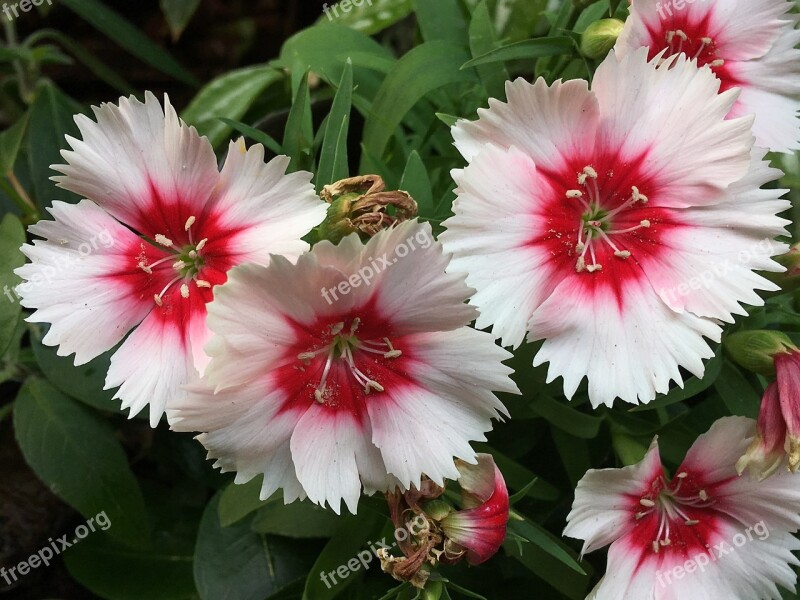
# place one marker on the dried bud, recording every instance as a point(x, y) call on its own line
point(361, 204)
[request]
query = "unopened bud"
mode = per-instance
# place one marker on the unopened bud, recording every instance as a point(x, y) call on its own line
point(600, 37)
point(789, 280)
point(756, 350)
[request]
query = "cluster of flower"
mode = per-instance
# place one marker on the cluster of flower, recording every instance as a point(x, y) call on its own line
point(579, 213)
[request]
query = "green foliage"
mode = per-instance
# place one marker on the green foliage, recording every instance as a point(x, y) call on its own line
point(372, 90)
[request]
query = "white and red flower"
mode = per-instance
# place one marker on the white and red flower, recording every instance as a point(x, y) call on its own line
point(353, 368)
point(778, 431)
point(618, 223)
point(479, 528)
point(704, 533)
point(175, 225)
point(749, 44)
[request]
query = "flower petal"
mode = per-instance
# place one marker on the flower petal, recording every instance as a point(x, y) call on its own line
point(141, 164)
point(70, 280)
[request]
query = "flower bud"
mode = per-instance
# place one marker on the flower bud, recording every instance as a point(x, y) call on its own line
point(439, 533)
point(789, 280)
point(756, 350)
point(360, 204)
point(600, 37)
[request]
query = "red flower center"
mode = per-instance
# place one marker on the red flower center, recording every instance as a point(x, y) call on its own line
point(600, 219)
point(340, 363)
point(695, 39)
point(675, 517)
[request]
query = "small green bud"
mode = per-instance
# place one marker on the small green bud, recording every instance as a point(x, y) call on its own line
point(437, 509)
point(337, 223)
point(789, 280)
point(755, 350)
point(600, 37)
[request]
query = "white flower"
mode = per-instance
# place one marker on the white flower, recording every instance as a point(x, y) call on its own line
point(616, 224)
point(161, 227)
point(749, 44)
point(704, 533)
point(354, 368)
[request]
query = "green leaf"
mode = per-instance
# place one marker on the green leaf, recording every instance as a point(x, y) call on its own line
point(240, 500)
point(116, 572)
point(51, 118)
point(236, 563)
point(333, 164)
point(230, 95)
point(178, 13)
point(298, 138)
point(738, 394)
point(129, 37)
point(593, 12)
point(324, 49)
point(12, 236)
point(94, 64)
point(10, 142)
point(416, 182)
point(448, 120)
point(254, 134)
point(546, 556)
point(371, 17)
point(539, 536)
point(518, 476)
point(629, 449)
point(77, 455)
point(425, 68)
point(483, 39)
point(296, 520)
point(343, 548)
point(566, 418)
point(526, 49)
point(442, 20)
point(84, 383)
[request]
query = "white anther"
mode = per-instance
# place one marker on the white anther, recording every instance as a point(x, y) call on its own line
point(337, 329)
point(622, 254)
point(202, 283)
point(593, 268)
point(163, 240)
point(189, 222)
point(717, 63)
point(201, 244)
point(145, 268)
point(644, 223)
point(158, 300)
point(574, 194)
point(647, 502)
point(184, 291)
